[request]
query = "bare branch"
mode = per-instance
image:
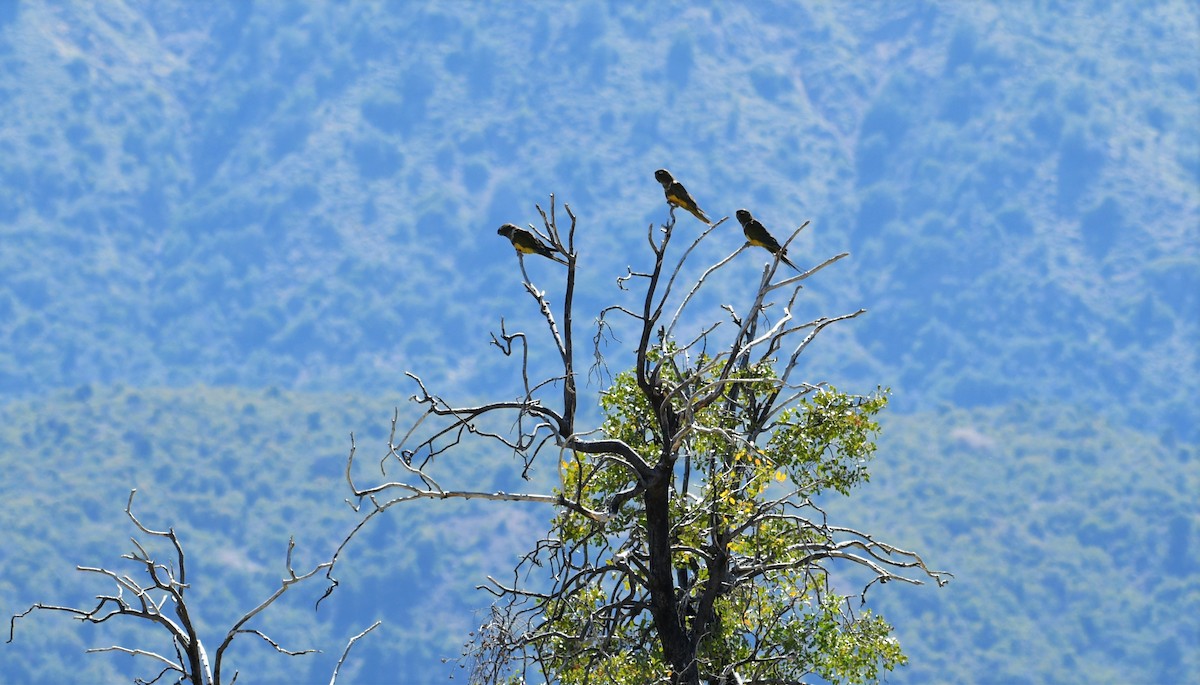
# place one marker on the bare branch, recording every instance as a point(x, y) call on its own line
point(417, 493)
point(291, 580)
point(171, 665)
point(346, 651)
point(699, 284)
point(166, 586)
point(275, 644)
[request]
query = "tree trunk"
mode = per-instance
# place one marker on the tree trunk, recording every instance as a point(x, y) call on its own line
point(677, 647)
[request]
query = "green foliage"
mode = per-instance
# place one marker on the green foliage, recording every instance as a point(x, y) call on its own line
point(784, 622)
point(827, 442)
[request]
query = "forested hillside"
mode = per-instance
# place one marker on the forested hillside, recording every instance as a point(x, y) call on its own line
point(272, 193)
point(226, 229)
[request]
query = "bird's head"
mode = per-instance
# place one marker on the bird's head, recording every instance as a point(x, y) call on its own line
point(744, 217)
point(506, 230)
point(664, 177)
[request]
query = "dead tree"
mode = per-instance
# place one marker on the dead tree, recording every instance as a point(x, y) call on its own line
point(688, 544)
point(161, 599)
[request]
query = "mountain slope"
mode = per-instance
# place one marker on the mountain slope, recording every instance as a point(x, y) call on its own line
point(273, 194)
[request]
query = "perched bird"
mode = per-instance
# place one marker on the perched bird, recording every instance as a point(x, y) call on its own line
point(678, 195)
point(757, 234)
point(526, 242)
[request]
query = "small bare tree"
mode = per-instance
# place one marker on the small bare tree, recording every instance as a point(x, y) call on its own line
point(687, 545)
point(162, 600)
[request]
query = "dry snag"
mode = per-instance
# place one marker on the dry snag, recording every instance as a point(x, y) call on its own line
point(162, 599)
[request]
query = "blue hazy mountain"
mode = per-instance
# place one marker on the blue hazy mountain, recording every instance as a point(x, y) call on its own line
point(304, 196)
point(277, 193)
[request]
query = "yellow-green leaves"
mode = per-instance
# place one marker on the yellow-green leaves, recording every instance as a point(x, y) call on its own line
point(826, 441)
